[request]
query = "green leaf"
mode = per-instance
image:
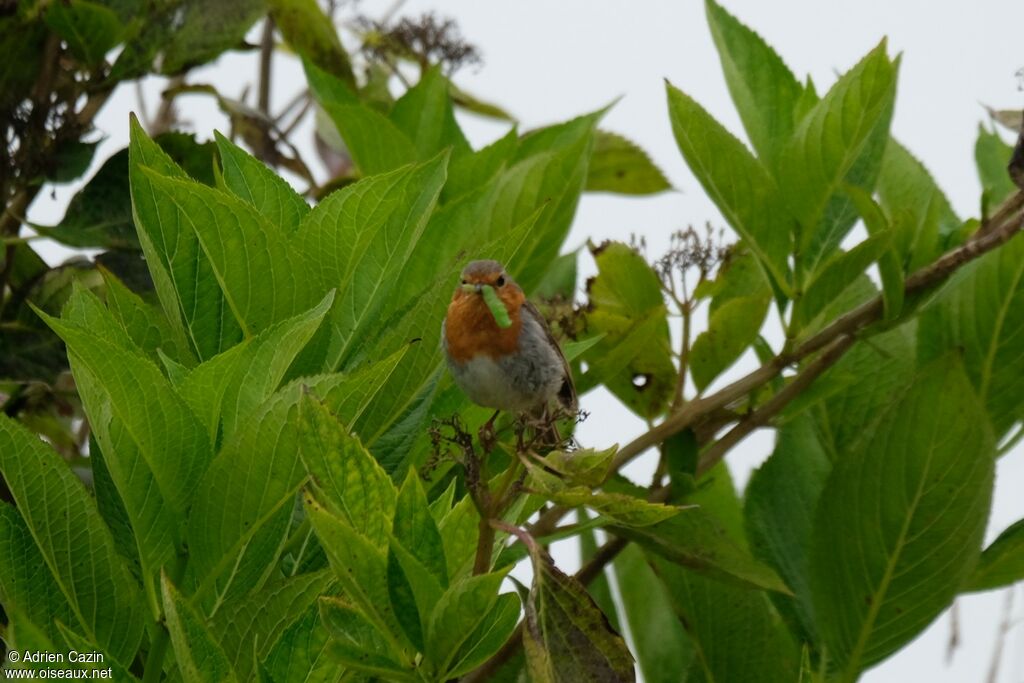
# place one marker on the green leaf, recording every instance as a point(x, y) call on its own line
point(836, 274)
point(901, 519)
point(736, 182)
point(361, 570)
point(245, 500)
point(736, 634)
point(696, 540)
point(463, 608)
point(620, 165)
point(1002, 562)
point(626, 305)
point(424, 113)
point(145, 324)
point(598, 587)
point(731, 329)
point(154, 447)
point(251, 181)
point(347, 478)
point(417, 569)
point(472, 171)
point(376, 144)
point(75, 544)
point(199, 656)
point(547, 174)
point(913, 200)
point(992, 155)
point(359, 239)
point(586, 466)
point(304, 653)
point(663, 651)
point(89, 29)
point(566, 637)
point(415, 530)
point(981, 313)
point(182, 274)
point(488, 637)
point(249, 629)
point(871, 372)
point(559, 281)
point(129, 390)
point(763, 88)
point(358, 643)
point(841, 139)
point(460, 529)
point(26, 584)
point(890, 265)
point(779, 508)
point(312, 34)
point(250, 257)
point(224, 390)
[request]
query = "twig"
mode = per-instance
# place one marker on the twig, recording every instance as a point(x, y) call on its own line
point(266, 57)
point(1004, 629)
point(775, 404)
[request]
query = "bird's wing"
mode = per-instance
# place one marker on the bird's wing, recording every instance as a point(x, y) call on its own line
point(567, 393)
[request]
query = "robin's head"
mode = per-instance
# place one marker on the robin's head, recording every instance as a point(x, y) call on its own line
point(478, 274)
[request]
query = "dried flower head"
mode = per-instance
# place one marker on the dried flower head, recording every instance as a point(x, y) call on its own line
point(426, 40)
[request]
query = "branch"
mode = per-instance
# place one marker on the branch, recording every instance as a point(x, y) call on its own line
point(775, 404)
point(266, 55)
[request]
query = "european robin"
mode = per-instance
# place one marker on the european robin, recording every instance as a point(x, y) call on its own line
point(518, 368)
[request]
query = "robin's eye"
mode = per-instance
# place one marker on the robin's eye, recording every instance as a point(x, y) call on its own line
point(463, 280)
point(500, 281)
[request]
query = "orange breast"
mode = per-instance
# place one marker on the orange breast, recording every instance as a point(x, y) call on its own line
point(470, 329)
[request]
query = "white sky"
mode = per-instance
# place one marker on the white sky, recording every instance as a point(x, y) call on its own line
point(549, 61)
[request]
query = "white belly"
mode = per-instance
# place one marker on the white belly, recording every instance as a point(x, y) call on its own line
point(488, 384)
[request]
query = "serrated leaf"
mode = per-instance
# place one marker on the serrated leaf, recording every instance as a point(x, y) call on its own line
point(457, 615)
point(841, 139)
point(566, 637)
point(587, 466)
point(981, 313)
point(359, 239)
point(224, 390)
point(472, 171)
point(489, 635)
point(199, 656)
point(907, 510)
point(73, 541)
point(245, 500)
point(696, 540)
point(779, 508)
point(910, 196)
point(348, 479)
point(1002, 562)
point(620, 165)
point(250, 628)
point(303, 653)
point(836, 274)
point(252, 182)
point(890, 265)
point(311, 33)
point(89, 29)
point(736, 633)
point(731, 329)
point(182, 275)
point(250, 258)
point(26, 584)
point(663, 651)
point(626, 305)
point(359, 644)
point(736, 182)
point(145, 324)
point(992, 156)
point(763, 88)
point(425, 114)
point(361, 571)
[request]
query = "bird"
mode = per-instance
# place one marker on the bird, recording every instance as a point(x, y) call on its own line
point(519, 368)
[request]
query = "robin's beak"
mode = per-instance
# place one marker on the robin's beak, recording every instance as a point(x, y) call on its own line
point(472, 289)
